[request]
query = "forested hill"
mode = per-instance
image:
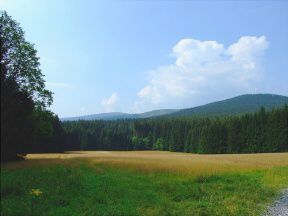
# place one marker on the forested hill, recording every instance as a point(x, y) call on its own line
point(238, 105)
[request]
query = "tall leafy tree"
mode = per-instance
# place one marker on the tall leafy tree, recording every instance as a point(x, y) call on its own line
point(20, 62)
point(24, 98)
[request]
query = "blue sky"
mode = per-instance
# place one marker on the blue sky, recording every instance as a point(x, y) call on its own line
point(135, 56)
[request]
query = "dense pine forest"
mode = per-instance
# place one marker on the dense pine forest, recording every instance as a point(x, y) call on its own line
point(256, 132)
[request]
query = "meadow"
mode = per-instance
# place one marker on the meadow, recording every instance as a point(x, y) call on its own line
point(142, 183)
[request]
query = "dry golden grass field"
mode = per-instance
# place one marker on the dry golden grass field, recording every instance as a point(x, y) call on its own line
point(160, 160)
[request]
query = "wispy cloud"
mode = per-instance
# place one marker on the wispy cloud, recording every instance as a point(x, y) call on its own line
point(109, 103)
point(205, 67)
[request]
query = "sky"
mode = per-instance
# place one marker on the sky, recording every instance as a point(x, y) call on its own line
point(136, 56)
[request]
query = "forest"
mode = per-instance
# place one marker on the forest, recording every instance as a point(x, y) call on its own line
point(255, 132)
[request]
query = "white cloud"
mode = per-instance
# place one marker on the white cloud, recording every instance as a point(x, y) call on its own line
point(248, 48)
point(205, 68)
point(109, 103)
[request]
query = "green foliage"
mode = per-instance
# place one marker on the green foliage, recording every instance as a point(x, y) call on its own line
point(103, 190)
point(25, 123)
point(16, 120)
point(19, 57)
point(43, 123)
point(158, 145)
point(259, 132)
point(48, 135)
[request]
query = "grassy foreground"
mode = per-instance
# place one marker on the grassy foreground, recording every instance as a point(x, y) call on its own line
point(121, 184)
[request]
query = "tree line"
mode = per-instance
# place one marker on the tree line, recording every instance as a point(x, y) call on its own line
point(256, 132)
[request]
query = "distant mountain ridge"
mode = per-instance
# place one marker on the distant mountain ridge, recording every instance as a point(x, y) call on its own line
point(237, 105)
point(234, 106)
point(120, 115)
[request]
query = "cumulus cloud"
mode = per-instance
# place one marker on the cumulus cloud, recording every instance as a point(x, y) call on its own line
point(206, 68)
point(109, 103)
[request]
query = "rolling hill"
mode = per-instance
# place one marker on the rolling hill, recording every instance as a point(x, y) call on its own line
point(234, 106)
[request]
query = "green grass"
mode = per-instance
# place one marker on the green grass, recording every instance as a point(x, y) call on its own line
point(105, 190)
